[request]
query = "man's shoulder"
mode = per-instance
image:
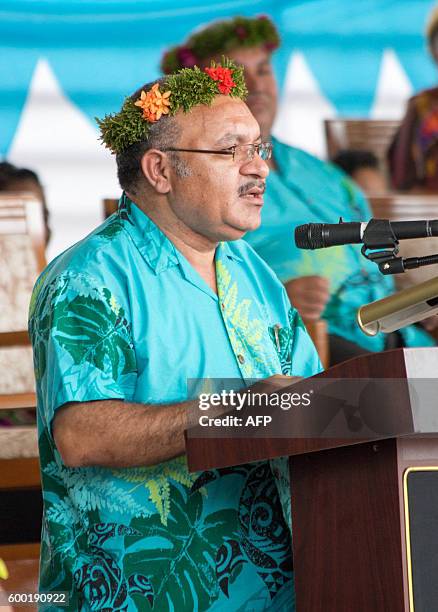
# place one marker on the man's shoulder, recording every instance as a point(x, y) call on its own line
point(298, 156)
point(95, 260)
point(95, 252)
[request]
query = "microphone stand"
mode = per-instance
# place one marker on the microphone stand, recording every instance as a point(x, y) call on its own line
point(380, 235)
point(396, 265)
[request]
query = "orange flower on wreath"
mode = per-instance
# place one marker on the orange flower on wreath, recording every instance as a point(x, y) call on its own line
point(224, 78)
point(154, 103)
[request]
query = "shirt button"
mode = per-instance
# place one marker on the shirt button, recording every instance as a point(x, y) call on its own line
point(223, 306)
point(241, 358)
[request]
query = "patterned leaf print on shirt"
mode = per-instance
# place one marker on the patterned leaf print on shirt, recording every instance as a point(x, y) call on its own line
point(39, 327)
point(93, 489)
point(92, 329)
point(263, 536)
point(157, 479)
point(283, 340)
point(112, 229)
point(179, 564)
point(104, 584)
point(248, 336)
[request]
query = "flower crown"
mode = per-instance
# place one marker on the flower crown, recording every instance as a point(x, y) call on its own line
point(185, 89)
point(220, 38)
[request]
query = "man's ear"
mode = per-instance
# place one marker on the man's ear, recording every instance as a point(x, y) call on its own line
point(156, 169)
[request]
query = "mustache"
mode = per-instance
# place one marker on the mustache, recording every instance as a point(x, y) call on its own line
point(244, 189)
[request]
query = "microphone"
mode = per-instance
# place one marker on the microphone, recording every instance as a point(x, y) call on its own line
point(377, 233)
point(400, 309)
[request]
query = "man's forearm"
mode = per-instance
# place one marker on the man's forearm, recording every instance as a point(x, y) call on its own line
point(114, 433)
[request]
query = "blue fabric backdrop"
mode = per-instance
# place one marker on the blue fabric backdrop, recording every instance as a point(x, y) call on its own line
point(102, 50)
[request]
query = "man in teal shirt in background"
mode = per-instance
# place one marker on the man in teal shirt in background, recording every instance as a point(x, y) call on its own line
point(331, 283)
point(163, 292)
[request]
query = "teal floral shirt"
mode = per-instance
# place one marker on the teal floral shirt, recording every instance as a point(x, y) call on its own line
point(305, 189)
point(122, 314)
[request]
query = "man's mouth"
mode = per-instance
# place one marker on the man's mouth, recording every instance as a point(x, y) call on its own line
point(254, 193)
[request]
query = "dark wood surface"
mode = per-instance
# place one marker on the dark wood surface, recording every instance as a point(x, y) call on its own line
point(20, 473)
point(346, 505)
point(206, 451)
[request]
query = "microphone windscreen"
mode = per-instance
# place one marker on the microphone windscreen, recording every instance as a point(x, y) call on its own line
point(309, 236)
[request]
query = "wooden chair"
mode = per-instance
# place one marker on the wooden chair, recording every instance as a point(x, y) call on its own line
point(22, 258)
point(19, 484)
point(361, 134)
point(109, 206)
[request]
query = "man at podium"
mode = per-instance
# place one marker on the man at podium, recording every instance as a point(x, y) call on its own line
point(164, 291)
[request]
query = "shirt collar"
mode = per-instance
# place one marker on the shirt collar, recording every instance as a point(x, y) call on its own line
point(224, 249)
point(155, 247)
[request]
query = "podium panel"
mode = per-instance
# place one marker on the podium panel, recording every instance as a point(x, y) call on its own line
point(364, 511)
point(421, 516)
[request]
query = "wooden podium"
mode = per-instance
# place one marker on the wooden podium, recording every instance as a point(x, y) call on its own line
point(365, 507)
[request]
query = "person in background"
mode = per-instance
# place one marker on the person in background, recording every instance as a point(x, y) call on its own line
point(413, 153)
point(364, 169)
point(16, 180)
point(330, 283)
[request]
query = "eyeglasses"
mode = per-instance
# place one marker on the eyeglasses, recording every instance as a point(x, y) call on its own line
point(241, 153)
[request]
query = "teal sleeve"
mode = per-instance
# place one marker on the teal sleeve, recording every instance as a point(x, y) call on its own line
point(82, 344)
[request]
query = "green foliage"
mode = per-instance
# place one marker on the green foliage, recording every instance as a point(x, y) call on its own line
point(221, 38)
point(189, 87)
point(192, 86)
point(120, 130)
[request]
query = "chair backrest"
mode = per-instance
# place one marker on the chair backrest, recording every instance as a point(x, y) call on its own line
point(22, 256)
point(361, 134)
point(109, 206)
point(406, 207)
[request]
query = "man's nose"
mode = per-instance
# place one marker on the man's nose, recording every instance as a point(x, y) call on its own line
point(257, 167)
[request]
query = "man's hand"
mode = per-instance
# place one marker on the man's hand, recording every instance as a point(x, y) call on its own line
point(309, 295)
point(430, 324)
